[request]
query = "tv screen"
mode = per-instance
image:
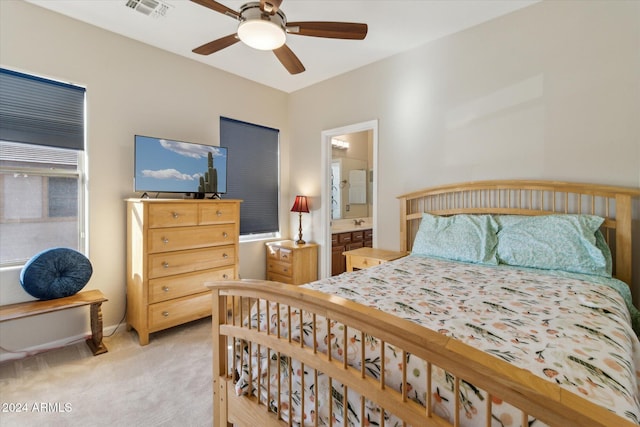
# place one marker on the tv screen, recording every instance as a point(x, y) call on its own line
point(167, 166)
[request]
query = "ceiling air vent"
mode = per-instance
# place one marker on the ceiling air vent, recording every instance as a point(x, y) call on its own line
point(153, 8)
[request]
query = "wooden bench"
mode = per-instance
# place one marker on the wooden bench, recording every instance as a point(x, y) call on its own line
point(95, 298)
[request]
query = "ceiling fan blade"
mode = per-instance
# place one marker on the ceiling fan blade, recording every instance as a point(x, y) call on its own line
point(214, 5)
point(270, 6)
point(289, 59)
point(332, 30)
point(216, 45)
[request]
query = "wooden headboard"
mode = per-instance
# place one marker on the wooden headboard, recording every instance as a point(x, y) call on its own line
point(517, 197)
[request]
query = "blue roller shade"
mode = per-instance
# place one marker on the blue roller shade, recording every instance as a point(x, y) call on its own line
point(35, 110)
point(252, 173)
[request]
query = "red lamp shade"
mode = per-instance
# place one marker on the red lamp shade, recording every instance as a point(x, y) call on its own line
point(300, 204)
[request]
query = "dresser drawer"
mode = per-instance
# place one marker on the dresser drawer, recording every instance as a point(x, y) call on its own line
point(344, 238)
point(179, 238)
point(285, 255)
point(273, 252)
point(357, 236)
point(170, 263)
point(361, 262)
point(278, 267)
point(175, 312)
point(170, 287)
point(280, 278)
point(217, 212)
point(279, 254)
point(172, 214)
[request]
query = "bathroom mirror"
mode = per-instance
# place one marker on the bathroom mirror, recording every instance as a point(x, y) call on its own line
point(352, 175)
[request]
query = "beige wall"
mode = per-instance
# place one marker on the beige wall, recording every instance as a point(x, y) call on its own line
point(551, 91)
point(132, 89)
point(548, 92)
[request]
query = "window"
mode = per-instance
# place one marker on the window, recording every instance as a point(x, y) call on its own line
point(253, 174)
point(41, 166)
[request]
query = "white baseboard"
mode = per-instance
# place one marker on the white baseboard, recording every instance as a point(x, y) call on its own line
point(9, 355)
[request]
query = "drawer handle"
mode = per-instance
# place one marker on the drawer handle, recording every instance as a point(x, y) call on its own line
point(225, 234)
point(225, 276)
point(165, 264)
point(165, 240)
point(225, 256)
point(286, 270)
point(165, 288)
point(175, 215)
point(219, 213)
point(165, 313)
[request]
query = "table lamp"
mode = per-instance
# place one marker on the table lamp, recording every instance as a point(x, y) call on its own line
point(300, 205)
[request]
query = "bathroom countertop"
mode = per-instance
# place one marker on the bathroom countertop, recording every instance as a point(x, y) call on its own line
point(348, 226)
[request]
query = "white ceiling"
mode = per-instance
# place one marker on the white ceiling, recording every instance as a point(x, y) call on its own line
point(394, 26)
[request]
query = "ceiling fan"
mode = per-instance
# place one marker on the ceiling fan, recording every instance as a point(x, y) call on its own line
point(263, 25)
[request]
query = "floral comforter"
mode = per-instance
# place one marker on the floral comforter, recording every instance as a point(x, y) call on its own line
point(571, 329)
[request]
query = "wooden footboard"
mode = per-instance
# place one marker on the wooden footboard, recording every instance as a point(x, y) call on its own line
point(232, 302)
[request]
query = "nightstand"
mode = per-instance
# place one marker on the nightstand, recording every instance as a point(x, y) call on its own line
point(368, 257)
point(288, 262)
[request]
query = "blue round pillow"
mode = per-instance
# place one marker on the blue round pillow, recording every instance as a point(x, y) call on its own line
point(55, 273)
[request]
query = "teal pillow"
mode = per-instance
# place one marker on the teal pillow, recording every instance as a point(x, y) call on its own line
point(468, 238)
point(553, 242)
point(601, 244)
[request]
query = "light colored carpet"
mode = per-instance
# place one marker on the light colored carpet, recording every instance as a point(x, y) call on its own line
point(166, 383)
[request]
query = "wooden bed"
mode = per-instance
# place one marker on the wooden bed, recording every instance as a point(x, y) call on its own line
point(534, 396)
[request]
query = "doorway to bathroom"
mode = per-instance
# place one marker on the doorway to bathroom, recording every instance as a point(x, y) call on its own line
point(349, 187)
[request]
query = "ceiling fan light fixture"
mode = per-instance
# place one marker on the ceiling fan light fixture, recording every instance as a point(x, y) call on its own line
point(261, 34)
point(263, 25)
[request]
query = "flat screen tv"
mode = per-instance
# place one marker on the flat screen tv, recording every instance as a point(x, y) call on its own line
point(167, 166)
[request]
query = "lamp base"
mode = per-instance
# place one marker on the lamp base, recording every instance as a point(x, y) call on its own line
point(300, 241)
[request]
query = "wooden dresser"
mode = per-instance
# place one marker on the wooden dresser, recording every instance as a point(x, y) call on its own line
point(288, 262)
point(173, 247)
